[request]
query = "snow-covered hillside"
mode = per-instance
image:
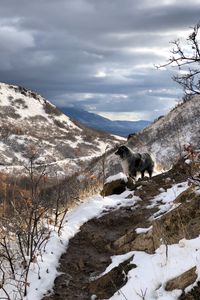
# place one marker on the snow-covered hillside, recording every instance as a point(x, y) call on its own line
point(166, 137)
point(135, 240)
point(136, 251)
point(28, 123)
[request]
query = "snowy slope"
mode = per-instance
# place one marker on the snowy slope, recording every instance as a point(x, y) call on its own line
point(166, 137)
point(149, 278)
point(150, 271)
point(28, 121)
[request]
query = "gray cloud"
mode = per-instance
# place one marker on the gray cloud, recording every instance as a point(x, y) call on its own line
point(99, 55)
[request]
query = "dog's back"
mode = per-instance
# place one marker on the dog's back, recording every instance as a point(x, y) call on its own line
point(146, 161)
point(135, 162)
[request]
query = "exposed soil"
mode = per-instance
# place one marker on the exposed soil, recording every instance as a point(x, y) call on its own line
point(89, 252)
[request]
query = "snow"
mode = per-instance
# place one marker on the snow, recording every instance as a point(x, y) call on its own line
point(188, 161)
point(102, 146)
point(93, 207)
point(170, 134)
point(64, 119)
point(143, 230)
point(153, 271)
point(119, 176)
point(32, 108)
point(116, 260)
point(32, 120)
point(166, 198)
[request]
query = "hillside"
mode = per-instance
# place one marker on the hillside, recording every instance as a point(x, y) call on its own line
point(29, 123)
point(121, 128)
point(170, 133)
point(164, 139)
point(142, 243)
point(136, 239)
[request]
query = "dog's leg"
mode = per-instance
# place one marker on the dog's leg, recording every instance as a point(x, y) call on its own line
point(133, 174)
point(150, 171)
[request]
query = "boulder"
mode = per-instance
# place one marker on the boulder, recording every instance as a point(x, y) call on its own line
point(117, 186)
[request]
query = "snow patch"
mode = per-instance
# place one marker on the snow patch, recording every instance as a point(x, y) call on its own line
point(153, 271)
point(143, 230)
point(56, 245)
point(119, 176)
point(167, 198)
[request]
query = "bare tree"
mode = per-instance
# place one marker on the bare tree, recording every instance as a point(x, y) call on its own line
point(186, 56)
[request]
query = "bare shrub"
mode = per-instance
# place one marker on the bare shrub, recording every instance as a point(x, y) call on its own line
point(185, 55)
point(7, 130)
point(9, 111)
point(25, 226)
point(51, 109)
point(38, 118)
point(59, 124)
point(18, 103)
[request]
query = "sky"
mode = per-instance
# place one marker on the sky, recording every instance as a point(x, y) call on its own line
point(99, 55)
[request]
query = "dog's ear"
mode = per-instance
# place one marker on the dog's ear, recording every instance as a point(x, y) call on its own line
point(138, 160)
point(120, 150)
point(117, 152)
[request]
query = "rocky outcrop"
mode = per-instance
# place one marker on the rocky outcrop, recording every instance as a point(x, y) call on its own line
point(182, 281)
point(181, 222)
point(178, 127)
point(131, 241)
point(114, 187)
point(105, 286)
point(116, 232)
point(117, 186)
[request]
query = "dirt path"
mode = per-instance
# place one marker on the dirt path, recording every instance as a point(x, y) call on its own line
point(89, 252)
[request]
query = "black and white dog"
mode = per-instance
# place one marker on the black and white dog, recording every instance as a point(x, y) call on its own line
point(135, 162)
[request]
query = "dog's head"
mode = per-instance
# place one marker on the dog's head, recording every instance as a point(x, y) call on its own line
point(123, 152)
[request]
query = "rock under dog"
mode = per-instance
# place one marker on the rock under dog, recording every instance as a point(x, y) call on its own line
point(135, 162)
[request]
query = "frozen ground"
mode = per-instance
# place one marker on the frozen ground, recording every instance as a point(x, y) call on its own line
point(153, 270)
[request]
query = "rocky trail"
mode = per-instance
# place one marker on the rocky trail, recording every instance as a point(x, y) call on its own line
point(113, 233)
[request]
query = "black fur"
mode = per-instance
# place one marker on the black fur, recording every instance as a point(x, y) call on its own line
point(135, 162)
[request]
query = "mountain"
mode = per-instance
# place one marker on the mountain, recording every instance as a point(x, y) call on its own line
point(121, 128)
point(111, 239)
point(30, 126)
point(167, 137)
point(145, 242)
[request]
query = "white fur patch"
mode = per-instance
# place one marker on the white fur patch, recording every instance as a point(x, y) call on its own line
point(125, 166)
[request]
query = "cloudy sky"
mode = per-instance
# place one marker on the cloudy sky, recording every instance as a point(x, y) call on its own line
point(95, 54)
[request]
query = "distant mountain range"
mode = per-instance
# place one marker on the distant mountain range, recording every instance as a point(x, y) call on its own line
point(121, 128)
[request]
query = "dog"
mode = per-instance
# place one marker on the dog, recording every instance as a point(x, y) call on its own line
point(135, 162)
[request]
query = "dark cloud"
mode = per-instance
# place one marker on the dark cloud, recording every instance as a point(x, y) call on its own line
point(96, 54)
